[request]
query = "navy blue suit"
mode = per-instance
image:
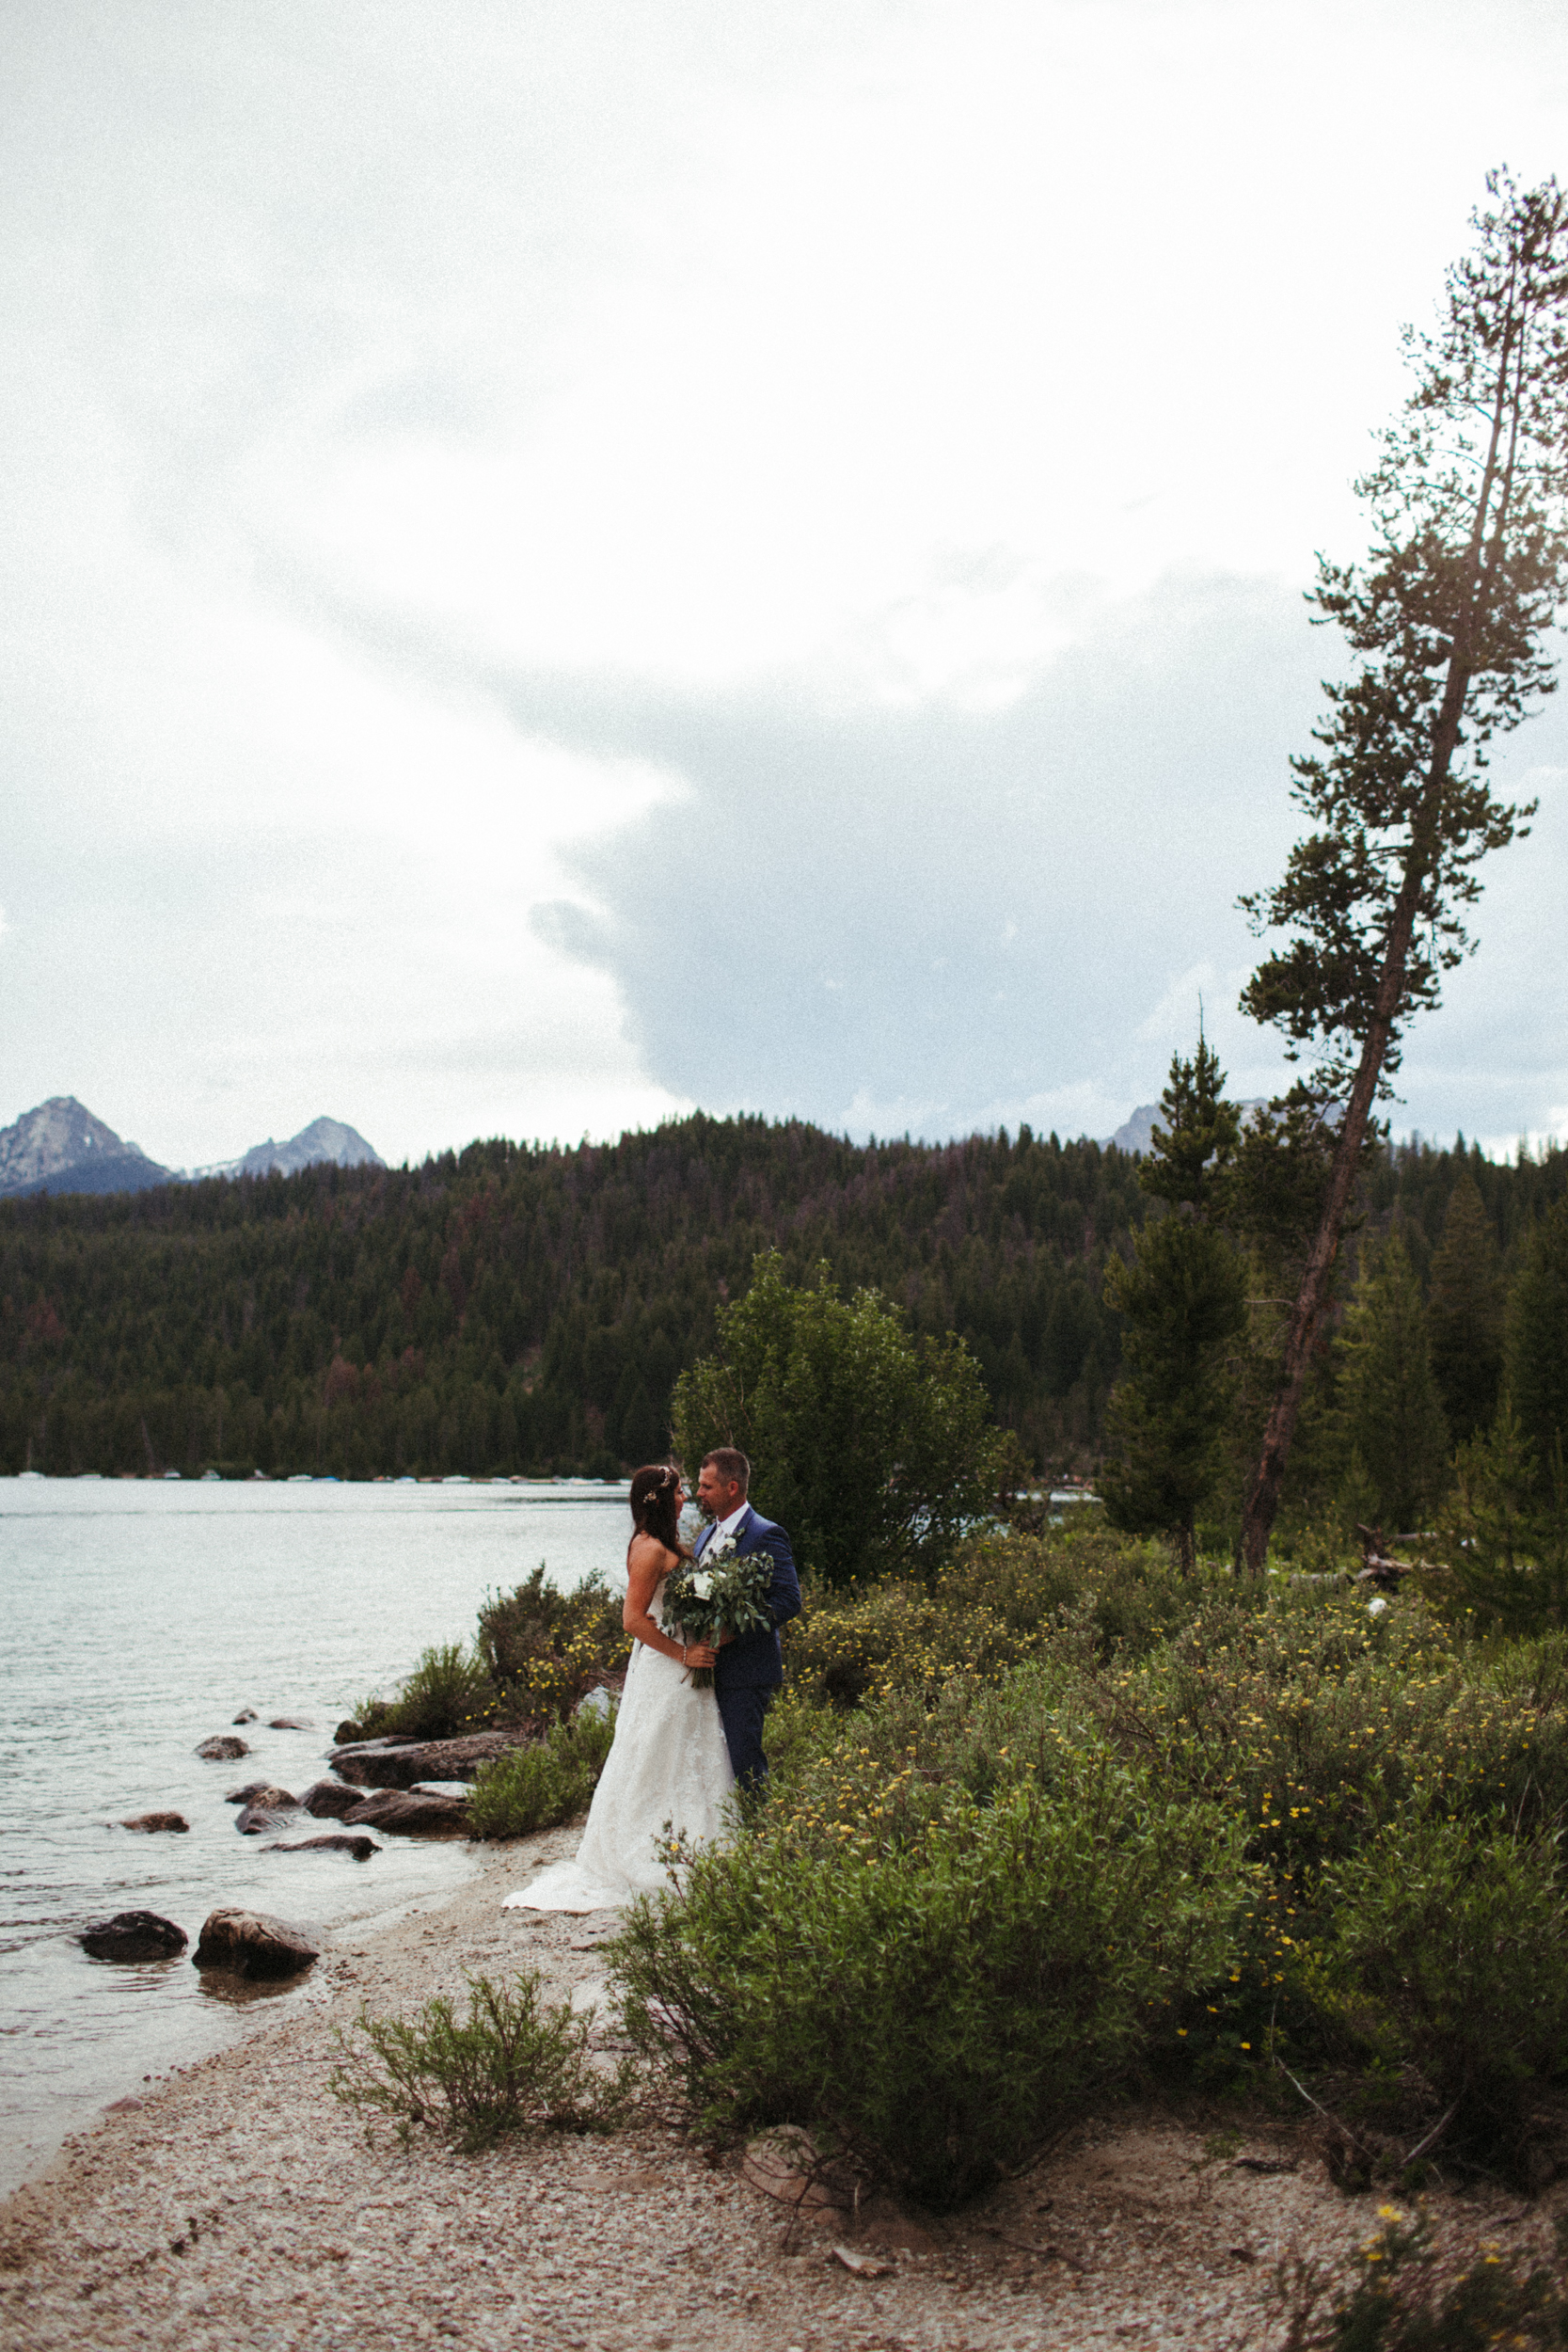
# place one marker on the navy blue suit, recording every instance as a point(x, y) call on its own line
point(751, 1667)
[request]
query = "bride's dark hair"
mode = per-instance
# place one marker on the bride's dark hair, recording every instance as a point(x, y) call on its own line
point(654, 1508)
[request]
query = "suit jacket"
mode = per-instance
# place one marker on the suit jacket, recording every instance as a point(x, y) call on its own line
point(754, 1660)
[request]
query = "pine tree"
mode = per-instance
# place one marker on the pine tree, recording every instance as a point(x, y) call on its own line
point(1538, 1336)
point(1392, 1413)
point(1184, 1302)
point(1448, 625)
point(1507, 1536)
point(1465, 1312)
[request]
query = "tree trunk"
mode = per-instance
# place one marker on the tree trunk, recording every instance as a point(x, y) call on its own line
point(1262, 1501)
point(1493, 506)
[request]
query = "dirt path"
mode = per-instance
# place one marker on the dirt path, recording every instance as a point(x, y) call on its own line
point(240, 2209)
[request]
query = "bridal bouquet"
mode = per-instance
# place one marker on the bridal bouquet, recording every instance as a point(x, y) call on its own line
point(722, 1593)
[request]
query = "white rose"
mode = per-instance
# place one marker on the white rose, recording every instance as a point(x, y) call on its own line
point(701, 1585)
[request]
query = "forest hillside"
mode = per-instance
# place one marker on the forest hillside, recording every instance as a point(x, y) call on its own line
point(512, 1307)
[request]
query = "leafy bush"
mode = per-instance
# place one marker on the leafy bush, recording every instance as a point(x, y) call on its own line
point(544, 1650)
point(448, 1693)
point(1405, 2299)
point(933, 1973)
point(999, 1602)
point(516, 2062)
point(541, 1786)
point(1445, 1948)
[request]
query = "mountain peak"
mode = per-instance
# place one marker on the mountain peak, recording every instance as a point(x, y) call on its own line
point(324, 1140)
point(60, 1146)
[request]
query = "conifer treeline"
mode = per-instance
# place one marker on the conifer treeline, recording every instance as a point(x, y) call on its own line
point(519, 1309)
point(510, 1308)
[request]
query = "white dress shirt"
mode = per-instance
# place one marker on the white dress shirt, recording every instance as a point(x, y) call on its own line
point(730, 1526)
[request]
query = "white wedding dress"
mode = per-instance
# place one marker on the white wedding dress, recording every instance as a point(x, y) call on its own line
point(668, 1771)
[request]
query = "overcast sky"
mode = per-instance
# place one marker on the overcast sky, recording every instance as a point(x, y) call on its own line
point(572, 558)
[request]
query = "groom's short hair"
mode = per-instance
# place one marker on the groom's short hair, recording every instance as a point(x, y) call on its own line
point(731, 1464)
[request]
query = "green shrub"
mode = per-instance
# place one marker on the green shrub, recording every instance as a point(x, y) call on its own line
point(1003, 1600)
point(544, 1650)
point(448, 1693)
point(516, 2062)
point(540, 1786)
point(1406, 2299)
point(934, 1974)
point(1445, 1950)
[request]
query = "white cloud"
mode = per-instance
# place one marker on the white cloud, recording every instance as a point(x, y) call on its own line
point(443, 446)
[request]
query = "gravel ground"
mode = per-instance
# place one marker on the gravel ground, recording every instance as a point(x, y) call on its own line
point(240, 2207)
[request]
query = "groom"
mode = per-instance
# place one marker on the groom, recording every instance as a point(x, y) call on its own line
point(750, 1666)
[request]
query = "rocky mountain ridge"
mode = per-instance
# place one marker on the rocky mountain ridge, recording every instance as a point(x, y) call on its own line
point(60, 1146)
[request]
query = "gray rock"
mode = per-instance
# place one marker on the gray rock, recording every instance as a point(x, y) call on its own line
point(134, 1935)
point(412, 1816)
point(399, 1763)
point(253, 1818)
point(286, 1723)
point(222, 1750)
point(330, 1800)
point(253, 1945)
point(335, 1842)
point(249, 1793)
point(245, 1715)
point(150, 1823)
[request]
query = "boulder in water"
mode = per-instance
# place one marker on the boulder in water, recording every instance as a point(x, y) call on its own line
point(253, 1945)
point(399, 1763)
point(266, 1812)
point(222, 1750)
point(336, 1841)
point(286, 1723)
point(413, 1816)
point(330, 1800)
point(245, 1715)
point(150, 1823)
point(348, 1730)
point(134, 1935)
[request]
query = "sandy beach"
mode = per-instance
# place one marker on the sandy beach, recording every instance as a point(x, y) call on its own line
point(239, 2206)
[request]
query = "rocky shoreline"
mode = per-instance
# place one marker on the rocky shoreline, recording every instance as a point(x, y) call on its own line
point(238, 2206)
point(416, 1790)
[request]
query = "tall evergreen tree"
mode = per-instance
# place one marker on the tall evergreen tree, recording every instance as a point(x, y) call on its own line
point(1538, 1337)
point(1465, 1312)
point(1392, 1412)
point(1183, 1299)
point(1448, 622)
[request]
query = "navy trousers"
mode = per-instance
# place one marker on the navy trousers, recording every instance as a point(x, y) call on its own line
point(741, 1712)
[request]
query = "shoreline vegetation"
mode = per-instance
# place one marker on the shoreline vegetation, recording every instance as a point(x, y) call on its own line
point(1060, 1820)
point(1118, 1948)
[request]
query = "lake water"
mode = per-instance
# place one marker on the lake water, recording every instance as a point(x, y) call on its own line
point(139, 1618)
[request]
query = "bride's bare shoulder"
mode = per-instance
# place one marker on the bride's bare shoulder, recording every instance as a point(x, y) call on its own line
point(646, 1551)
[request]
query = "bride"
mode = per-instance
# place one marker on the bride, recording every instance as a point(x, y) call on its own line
point(669, 1769)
